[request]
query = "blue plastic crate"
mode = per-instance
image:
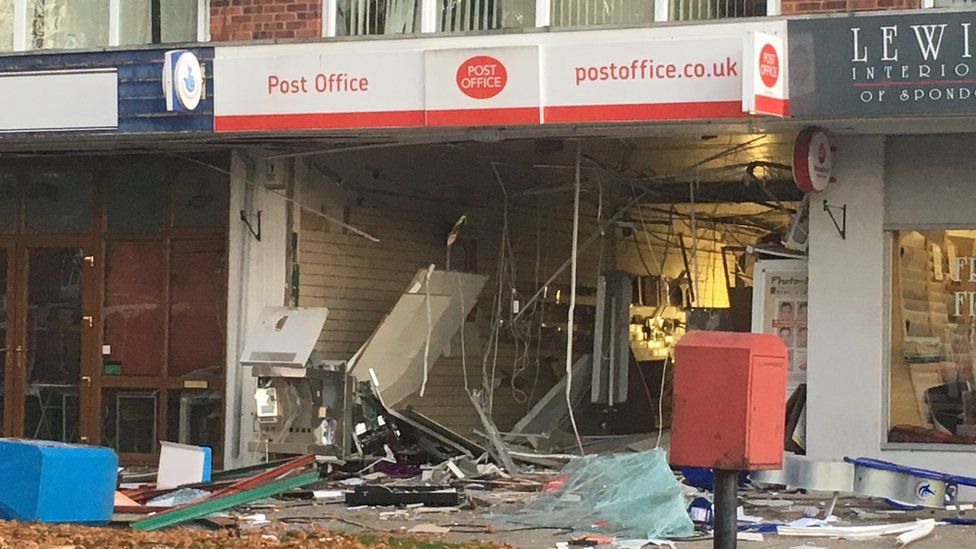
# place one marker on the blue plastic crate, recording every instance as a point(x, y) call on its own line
point(43, 481)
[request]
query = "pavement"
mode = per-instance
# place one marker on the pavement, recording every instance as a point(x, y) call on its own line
point(494, 524)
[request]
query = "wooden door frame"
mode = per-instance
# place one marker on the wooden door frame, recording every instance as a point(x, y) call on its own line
point(94, 241)
point(18, 268)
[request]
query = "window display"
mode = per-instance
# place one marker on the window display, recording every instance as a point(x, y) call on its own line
point(933, 285)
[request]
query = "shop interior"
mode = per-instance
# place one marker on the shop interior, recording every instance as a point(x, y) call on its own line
point(656, 235)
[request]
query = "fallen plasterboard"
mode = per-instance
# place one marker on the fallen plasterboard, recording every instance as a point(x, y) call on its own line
point(855, 533)
point(550, 412)
point(923, 529)
point(396, 350)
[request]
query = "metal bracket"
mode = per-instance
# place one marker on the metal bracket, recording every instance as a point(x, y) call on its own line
point(842, 226)
point(247, 221)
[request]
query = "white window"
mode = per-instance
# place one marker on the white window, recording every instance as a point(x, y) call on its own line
point(365, 17)
point(75, 24)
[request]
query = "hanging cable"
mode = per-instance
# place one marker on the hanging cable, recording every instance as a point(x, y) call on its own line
point(660, 403)
point(572, 301)
point(430, 329)
point(464, 354)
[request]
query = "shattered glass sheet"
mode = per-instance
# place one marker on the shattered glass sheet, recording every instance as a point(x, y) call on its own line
point(626, 495)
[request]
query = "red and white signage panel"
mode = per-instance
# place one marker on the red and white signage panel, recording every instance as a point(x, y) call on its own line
point(472, 87)
point(764, 84)
point(317, 87)
point(619, 75)
point(650, 80)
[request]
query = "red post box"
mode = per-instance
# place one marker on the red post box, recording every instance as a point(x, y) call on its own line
point(729, 401)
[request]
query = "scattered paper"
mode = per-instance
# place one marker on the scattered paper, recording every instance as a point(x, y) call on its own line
point(256, 519)
point(770, 502)
point(327, 494)
point(428, 529)
point(354, 481)
point(868, 515)
point(807, 522)
point(741, 516)
point(641, 543)
point(425, 510)
point(749, 536)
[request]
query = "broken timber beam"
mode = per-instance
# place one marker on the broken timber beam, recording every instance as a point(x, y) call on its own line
point(501, 452)
point(199, 510)
point(266, 476)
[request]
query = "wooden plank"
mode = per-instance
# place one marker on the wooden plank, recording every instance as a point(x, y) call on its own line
point(261, 478)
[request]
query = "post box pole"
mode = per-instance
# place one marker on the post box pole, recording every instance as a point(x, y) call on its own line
point(726, 505)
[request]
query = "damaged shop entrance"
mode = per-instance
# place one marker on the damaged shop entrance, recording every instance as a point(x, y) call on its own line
point(467, 287)
point(112, 300)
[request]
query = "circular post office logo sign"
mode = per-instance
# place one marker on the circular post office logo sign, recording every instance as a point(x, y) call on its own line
point(768, 65)
point(481, 77)
point(188, 80)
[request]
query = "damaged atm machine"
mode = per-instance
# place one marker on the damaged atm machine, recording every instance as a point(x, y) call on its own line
point(309, 403)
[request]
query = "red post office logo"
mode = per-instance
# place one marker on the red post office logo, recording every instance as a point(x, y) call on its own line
point(482, 77)
point(768, 65)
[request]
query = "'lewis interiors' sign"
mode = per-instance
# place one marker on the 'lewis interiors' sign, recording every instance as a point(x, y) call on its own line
point(883, 65)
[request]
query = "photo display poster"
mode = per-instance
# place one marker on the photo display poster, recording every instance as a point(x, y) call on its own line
point(785, 315)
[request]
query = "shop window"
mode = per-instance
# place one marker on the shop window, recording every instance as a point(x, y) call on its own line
point(198, 276)
point(199, 196)
point(59, 201)
point(134, 313)
point(177, 21)
point(67, 24)
point(575, 13)
point(6, 25)
point(362, 17)
point(195, 417)
point(695, 10)
point(137, 196)
point(129, 420)
point(8, 201)
point(931, 396)
point(473, 15)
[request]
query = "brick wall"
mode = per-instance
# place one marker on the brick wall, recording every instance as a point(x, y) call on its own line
point(793, 7)
point(264, 19)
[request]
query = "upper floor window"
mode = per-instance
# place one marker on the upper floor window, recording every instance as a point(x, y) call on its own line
point(366, 17)
point(77, 24)
point(172, 21)
point(578, 13)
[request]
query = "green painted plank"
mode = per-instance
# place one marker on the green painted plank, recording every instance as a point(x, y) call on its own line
point(208, 507)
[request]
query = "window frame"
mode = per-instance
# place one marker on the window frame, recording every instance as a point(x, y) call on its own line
point(543, 12)
point(114, 24)
point(891, 232)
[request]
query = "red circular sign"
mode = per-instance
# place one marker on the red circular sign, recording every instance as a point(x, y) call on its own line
point(812, 160)
point(768, 65)
point(481, 77)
